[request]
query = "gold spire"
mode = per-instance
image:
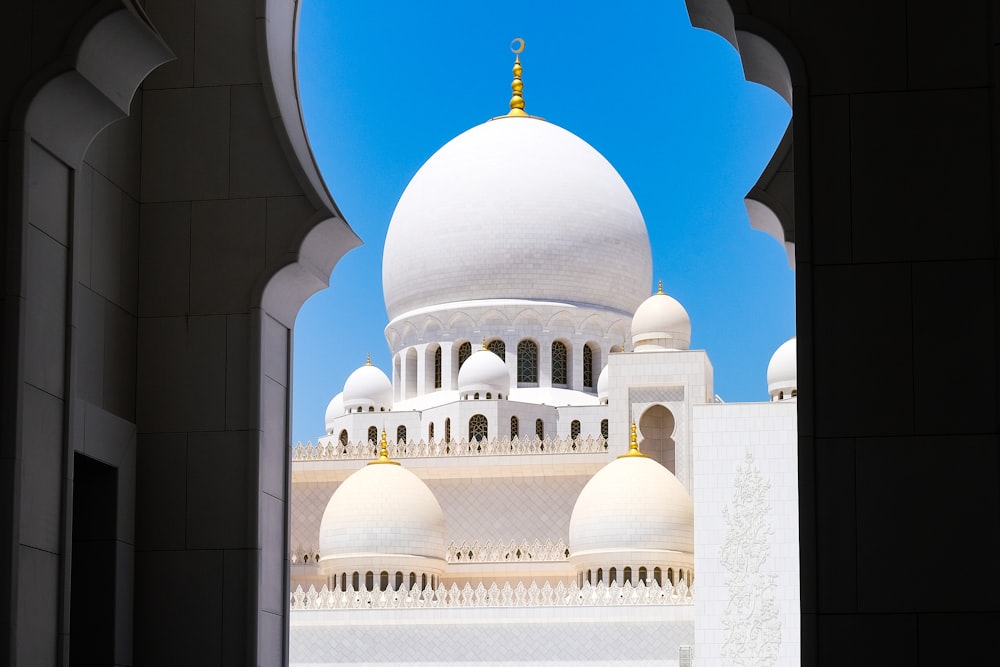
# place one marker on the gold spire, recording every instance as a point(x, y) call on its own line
point(660, 290)
point(383, 453)
point(633, 446)
point(369, 362)
point(516, 86)
point(484, 345)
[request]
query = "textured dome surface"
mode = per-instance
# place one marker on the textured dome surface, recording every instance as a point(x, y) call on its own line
point(383, 509)
point(333, 410)
point(631, 504)
point(661, 321)
point(516, 208)
point(367, 386)
point(782, 373)
point(484, 371)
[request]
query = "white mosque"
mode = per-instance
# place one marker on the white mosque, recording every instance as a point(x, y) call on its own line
point(548, 476)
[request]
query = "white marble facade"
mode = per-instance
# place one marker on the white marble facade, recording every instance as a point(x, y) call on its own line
point(554, 474)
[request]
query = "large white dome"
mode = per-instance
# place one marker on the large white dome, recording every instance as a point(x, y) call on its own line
point(632, 511)
point(383, 511)
point(516, 208)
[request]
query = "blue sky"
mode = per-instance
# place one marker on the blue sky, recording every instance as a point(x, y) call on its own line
point(385, 84)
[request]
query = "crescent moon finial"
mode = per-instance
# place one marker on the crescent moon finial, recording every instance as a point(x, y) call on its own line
point(516, 86)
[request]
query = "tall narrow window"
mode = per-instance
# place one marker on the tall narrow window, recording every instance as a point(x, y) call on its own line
point(588, 367)
point(447, 429)
point(527, 361)
point(497, 347)
point(514, 424)
point(430, 432)
point(372, 434)
point(478, 428)
point(383, 580)
point(343, 438)
point(400, 434)
point(559, 373)
point(540, 429)
point(574, 429)
point(658, 576)
point(464, 352)
point(627, 574)
point(437, 368)
point(604, 429)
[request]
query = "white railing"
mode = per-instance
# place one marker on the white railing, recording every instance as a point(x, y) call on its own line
point(561, 595)
point(368, 450)
point(508, 552)
point(475, 552)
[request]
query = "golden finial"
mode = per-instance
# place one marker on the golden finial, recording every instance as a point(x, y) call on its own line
point(633, 446)
point(383, 453)
point(660, 290)
point(516, 86)
point(484, 345)
point(369, 362)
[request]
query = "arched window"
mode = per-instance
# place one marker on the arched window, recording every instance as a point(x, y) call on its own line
point(600, 575)
point(343, 582)
point(430, 431)
point(447, 429)
point(588, 367)
point(514, 423)
point(464, 352)
point(400, 434)
point(497, 347)
point(559, 357)
point(604, 429)
point(478, 428)
point(372, 434)
point(383, 580)
point(437, 368)
point(527, 361)
point(399, 581)
point(540, 429)
point(658, 576)
point(413, 580)
point(423, 581)
point(627, 574)
point(369, 581)
point(343, 438)
point(356, 581)
point(574, 429)
point(612, 575)
point(642, 575)
point(670, 574)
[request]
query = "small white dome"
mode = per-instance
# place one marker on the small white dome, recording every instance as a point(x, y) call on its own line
point(782, 375)
point(602, 384)
point(381, 515)
point(632, 511)
point(333, 410)
point(367, 387)
point(483, 372)
point(660, 323)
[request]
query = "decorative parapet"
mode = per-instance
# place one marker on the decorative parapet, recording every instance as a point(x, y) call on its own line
point(500, 552)
point(336, 451)
point(508, 552)
point(561, 595)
